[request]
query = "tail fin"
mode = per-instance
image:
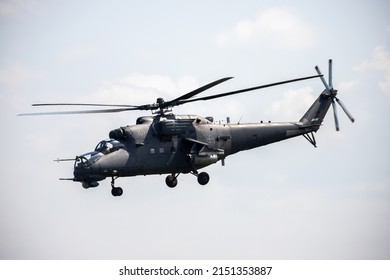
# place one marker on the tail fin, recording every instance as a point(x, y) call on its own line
point(316, 113)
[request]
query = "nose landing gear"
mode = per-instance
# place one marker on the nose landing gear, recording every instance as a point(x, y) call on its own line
point(115, 191)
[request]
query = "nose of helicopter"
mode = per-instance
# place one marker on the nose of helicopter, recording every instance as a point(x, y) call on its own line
point(80, 173)
point(85, 171)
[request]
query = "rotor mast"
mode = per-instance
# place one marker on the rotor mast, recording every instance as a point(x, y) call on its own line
point(161, 108)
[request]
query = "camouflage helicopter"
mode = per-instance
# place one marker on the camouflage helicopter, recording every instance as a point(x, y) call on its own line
point(173, 144)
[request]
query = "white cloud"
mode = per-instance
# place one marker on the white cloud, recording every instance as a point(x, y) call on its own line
point(293, 104)
point(273, 28)
point(379, 62)
point(347, 85)
point(137, 89)
point(16, 73)
point(78, 52)
point(21, 7)
point(10, 7)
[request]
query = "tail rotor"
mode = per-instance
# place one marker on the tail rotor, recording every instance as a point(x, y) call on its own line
point(331, 92)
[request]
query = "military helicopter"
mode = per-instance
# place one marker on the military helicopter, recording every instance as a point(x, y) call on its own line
point(165, 143)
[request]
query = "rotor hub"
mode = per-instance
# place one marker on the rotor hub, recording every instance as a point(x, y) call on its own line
point(160, 101)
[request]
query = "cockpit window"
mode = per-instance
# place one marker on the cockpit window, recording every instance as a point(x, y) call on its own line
point(108, 146)
point(87, 159)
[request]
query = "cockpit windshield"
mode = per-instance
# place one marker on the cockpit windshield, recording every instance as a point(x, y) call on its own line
point(108, 146)
point(87, 159)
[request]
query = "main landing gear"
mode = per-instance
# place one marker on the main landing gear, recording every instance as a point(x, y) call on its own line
point(170, 180)
point(115, 191)
point(203, 179)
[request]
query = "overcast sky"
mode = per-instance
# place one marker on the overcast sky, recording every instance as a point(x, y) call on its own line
point(283, 201)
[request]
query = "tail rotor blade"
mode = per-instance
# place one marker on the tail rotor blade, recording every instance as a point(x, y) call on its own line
point(336, 119)
point(345, 110)
point(322, 78)
point(330, 73)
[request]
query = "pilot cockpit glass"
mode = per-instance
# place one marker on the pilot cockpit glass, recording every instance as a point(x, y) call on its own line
point(87, 159)
point(108, 146)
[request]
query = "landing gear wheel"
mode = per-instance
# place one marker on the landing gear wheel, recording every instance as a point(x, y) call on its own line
point(117, 191)
point(203, 178)
point(171, 181)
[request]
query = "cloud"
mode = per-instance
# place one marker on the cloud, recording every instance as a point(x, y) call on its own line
point(10, 7)
point(137, 89)
point(273, 28)
point(16, 73)
point(79, 52)
point(19, 7)
point(293, 104)
point(344, 86)
point(379, 62)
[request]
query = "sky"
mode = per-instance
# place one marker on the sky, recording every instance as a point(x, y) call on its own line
point(287, 200)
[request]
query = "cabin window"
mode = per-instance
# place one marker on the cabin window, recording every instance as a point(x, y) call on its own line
point(161, 150)
point(152, 150)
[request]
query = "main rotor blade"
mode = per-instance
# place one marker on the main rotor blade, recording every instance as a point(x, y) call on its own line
point(82, 104)
point(197, 91)
point(83, 112)
point(345, 110)
point(245, 90)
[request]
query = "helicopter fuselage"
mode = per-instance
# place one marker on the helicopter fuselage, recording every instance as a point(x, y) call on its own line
point(174, 144)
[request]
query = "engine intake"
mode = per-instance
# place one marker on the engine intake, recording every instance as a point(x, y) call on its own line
point(117, 134)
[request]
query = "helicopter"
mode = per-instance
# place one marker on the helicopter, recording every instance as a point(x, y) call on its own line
point(166, 143)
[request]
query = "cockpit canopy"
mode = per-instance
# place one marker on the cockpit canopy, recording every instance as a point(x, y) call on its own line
point(104, 147)
point(108, 146)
